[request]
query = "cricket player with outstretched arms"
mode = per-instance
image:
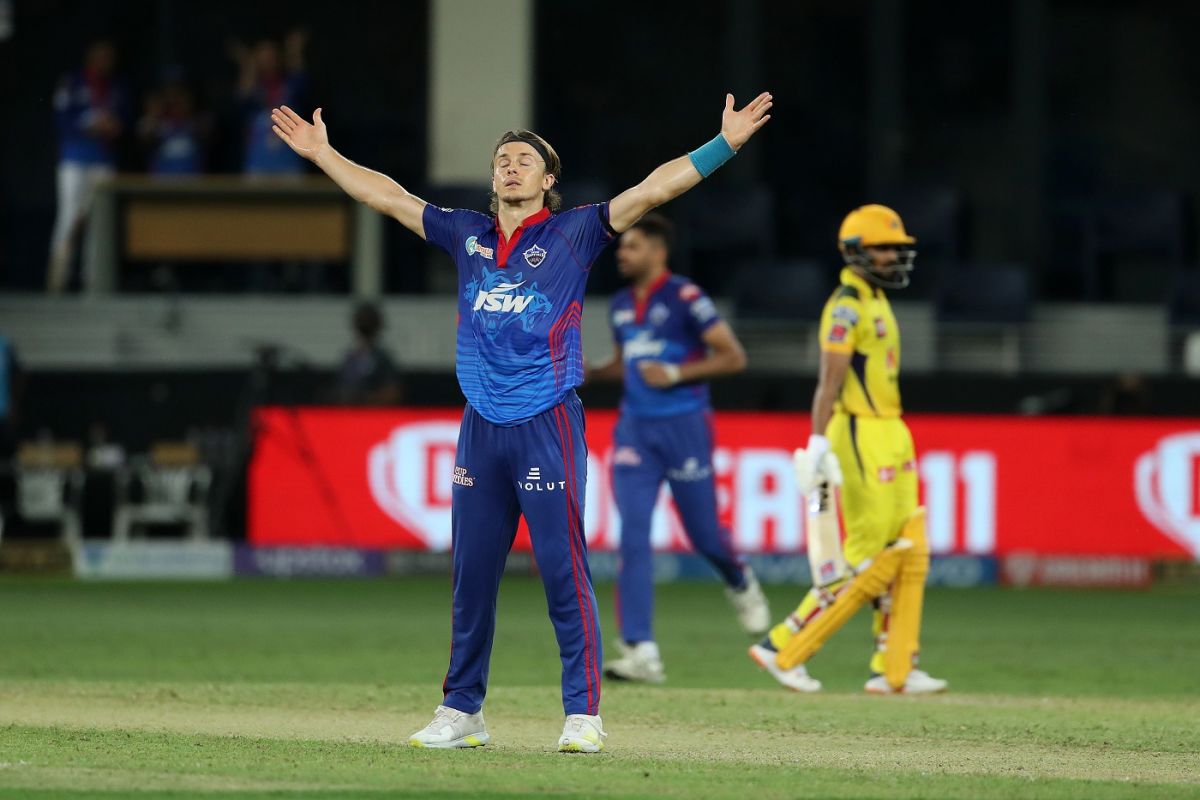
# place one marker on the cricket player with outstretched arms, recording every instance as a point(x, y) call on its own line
point(669, 341)
point(521, 276)
point(860, 443)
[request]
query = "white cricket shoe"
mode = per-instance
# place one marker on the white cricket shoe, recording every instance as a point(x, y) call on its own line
point(640, 663)
point(451, 728)
point(918, 682)
point(751, 606)
point(582, 734)
point(797, 678)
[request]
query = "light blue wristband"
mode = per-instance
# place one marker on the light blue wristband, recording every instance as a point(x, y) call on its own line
point(708, 157)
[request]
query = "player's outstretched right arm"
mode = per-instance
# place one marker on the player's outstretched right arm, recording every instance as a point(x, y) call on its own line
point(311, 141)
point(678, 175)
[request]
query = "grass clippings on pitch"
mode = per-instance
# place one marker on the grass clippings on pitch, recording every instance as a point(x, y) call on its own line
point(255, 690)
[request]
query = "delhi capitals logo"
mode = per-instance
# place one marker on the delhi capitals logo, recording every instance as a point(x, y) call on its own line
point(534, 256)
point(502, 299)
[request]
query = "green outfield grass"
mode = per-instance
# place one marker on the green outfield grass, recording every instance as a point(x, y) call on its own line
point(309, 689)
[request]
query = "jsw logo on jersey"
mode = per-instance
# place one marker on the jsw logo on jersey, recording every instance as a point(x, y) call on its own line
point(502, 298)
point(643, 346)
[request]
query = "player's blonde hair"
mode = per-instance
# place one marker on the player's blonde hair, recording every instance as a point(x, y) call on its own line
point(551, 199)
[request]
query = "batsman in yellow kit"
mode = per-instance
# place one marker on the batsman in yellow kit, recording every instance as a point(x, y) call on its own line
point(860, 443)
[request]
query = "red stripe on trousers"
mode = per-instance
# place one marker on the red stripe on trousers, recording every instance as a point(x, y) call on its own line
point(582, 544)
point(569, 451)
point(585, 608)
point(592, 615)
point(585, 605)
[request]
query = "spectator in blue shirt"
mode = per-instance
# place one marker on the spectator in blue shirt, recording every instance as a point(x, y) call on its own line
point(90, 106)
point(269, 76)
point(173, 131)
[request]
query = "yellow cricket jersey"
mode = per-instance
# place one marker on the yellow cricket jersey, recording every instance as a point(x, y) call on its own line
point(858, 319)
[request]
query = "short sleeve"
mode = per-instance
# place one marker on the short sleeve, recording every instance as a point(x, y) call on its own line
point(839, 325)
point(587, 230)
point(443, 226)
point(701, 311)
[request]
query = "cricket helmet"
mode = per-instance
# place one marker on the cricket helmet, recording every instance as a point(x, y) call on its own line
point(877, 226)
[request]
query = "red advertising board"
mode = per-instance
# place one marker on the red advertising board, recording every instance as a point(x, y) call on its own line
point(993, 485)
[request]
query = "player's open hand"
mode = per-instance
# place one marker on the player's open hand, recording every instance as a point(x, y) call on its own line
point(305, 138)
point(738, 126)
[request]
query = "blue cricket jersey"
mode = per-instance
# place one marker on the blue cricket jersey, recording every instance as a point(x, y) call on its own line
point(265, 153)
point(177, 150)
point(520, 304)
point(666, 325)
point(77, 101)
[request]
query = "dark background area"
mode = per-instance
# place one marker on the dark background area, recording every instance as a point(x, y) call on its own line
point(366, 64)
point(1032, 132)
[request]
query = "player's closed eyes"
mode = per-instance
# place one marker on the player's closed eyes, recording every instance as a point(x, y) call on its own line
point(522, 161)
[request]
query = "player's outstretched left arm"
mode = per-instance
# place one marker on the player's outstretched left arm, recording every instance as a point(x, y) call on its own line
point(311, 140)
point(678, 175)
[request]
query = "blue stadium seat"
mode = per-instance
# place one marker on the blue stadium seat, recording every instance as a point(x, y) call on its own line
point(983, 293)
point(1139, 223)
point(1071, 273)
point(794, 290)
point(582, 191)
point(473, 196)
point(1124, 234)
point(934, 215)
point(1183, 302)
point(720, 226)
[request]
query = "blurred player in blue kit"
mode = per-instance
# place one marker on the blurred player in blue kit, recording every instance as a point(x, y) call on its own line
point(521, 277)
point(669, 341)
point(91, 106)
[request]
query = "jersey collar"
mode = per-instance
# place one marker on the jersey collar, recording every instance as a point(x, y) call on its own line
point(505, 246)
point(642, 301)
point(865, 287)
point(532, 219)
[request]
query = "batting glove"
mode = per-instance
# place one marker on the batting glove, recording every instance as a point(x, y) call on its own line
point(816, 464)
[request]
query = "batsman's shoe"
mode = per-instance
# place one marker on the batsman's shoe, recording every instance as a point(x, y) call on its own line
point(582, 734)
point(640, 663)
point(451, 728)
point(797, 678)
point(751, 606)
point(918, 682)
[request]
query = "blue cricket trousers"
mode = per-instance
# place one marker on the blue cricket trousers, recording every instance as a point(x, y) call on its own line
point(537, 468)
point(647, 451)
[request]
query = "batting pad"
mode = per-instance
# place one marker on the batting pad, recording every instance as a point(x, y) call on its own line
point(908, 598)
point(866, 586)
